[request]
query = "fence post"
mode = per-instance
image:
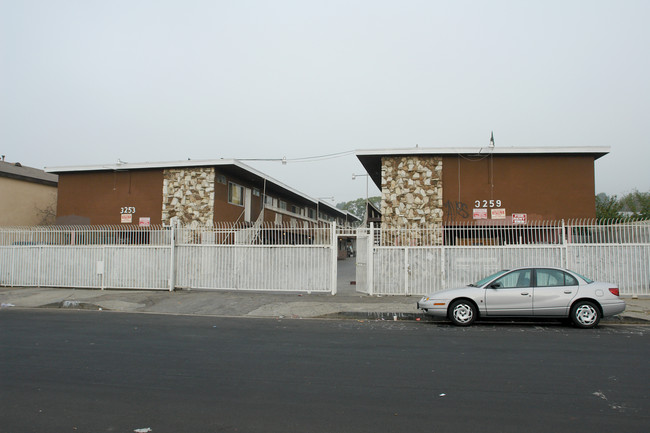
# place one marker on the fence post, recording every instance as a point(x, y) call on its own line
point(172, 255)
point(443, 268)
point(103, 269)
point(565, 248)
point(40, 260)
point(333, 257)
point(406, 271)
point(13, 266)
point(370, 262)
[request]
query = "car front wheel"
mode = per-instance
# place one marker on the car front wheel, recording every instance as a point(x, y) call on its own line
point(585, 314)
point(462, 313)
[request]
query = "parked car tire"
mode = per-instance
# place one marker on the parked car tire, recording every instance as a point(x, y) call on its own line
point(585, 314)
point(462, 312)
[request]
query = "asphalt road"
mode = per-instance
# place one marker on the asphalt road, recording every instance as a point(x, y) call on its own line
point(78, 371)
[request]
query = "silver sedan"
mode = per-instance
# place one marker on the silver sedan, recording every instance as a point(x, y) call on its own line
point(542, 292)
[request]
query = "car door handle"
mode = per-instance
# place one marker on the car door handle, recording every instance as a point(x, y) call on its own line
point(568, 292)
point(524, 293)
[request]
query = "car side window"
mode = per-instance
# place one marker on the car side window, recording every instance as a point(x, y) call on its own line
point(570, 280)
point(554, 278)
point(516, 279)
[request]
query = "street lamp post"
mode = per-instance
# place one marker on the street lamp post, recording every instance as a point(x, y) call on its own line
point(354, 176)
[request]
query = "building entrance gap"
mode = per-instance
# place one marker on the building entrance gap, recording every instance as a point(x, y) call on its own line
point(346, 282)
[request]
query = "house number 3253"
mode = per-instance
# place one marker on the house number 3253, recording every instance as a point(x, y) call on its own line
point(127, 210)
point(487, 203)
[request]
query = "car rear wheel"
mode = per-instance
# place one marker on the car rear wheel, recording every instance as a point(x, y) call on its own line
point(585, 314)
point(462, 313)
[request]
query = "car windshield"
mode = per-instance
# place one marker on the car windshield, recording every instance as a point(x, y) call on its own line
point(480, 283)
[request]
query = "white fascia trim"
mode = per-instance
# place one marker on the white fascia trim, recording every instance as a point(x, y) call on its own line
point(484, 150)
point(141, 165)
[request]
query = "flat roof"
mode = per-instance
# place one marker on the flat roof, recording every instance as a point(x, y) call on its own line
point(231, 166)
point(371, 158)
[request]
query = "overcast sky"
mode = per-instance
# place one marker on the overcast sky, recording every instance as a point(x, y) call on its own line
point(87, 82)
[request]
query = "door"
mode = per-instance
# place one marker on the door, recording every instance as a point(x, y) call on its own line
point(510, 295)
point(554, 291)
point(247, 204)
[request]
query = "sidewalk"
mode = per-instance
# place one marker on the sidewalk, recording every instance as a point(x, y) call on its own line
point(249, 304)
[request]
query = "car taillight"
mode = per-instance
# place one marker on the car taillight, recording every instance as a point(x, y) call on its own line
point(614, 291)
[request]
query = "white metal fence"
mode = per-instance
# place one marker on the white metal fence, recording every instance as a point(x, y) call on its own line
point(289, 258)
point(85, 257)
point(304, 258)
point(426, 260)
point(239, 257)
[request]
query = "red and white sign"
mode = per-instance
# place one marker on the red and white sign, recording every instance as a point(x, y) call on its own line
point(126, 218)
point(519, 218)
point(145, 221)
point(480, 214)
point(498, 214)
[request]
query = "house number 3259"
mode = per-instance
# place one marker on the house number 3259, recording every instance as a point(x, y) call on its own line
point(127, 210)
point(487, 203)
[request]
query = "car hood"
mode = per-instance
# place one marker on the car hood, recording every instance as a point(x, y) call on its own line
point(456, 291)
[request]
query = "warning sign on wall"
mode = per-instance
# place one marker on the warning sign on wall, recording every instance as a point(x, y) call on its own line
point(519, 218)
point(498, 214)
point(145, 221)
point(480, 214)
point(126, 218)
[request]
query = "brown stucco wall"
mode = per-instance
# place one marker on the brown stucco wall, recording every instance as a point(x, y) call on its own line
point(225, 211)
point(545, 187)
point(98, 197)
point(195, 195)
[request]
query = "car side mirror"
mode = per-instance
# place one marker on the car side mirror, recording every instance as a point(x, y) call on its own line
point(495, 285)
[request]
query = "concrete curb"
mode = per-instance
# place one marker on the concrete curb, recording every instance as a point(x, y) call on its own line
point(355, 315)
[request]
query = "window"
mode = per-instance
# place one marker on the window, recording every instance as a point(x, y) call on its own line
point(268, 200)
point(256, 192)
point(282, 204)
point(221, 179)
point(554, 278)
point(515, 279)
point(235, 194)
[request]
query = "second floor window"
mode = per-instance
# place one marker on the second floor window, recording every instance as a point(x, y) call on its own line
point(235, 194)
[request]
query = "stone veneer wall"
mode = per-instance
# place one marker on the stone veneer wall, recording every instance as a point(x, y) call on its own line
point(188, 193)
point(411, 191)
